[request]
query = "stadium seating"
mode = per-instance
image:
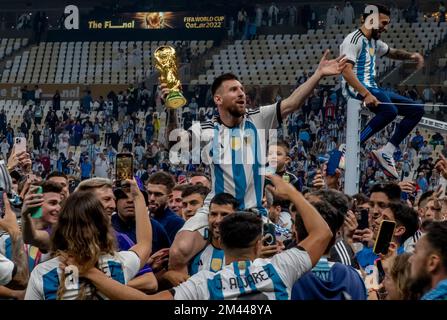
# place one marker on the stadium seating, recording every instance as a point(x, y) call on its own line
point(8, 46)
point(281, 59)
point(118, 62)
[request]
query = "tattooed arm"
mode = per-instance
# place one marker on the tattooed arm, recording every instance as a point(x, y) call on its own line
point(400, 54)
point(10, 225)
point(19, 258)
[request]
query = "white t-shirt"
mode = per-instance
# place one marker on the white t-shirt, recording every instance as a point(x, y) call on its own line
point(4, 147)
point(6, 270)
point(261, 279)
point(37, 93)
point(63, 147)
point(101, 168)
point(45, 278)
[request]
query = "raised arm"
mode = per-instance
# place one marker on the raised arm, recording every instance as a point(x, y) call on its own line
point(401, 54)
point(299, 96)
point(18, 256)
point(32, 236)
point(318, 231)
point(144, 228)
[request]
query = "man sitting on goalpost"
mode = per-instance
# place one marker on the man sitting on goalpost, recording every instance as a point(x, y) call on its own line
point(361, 48)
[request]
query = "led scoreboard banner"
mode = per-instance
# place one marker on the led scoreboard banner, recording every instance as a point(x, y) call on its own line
point(158, 20)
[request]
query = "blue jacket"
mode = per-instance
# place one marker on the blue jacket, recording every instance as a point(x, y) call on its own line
point(326, 282)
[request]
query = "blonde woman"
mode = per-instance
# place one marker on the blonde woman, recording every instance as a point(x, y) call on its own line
point(84, 233)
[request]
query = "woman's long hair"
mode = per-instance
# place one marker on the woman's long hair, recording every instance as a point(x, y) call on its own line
point(82, 232)
point(400, 273)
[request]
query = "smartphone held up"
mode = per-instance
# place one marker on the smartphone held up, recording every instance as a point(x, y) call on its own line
point(19, 144)
point(36, 213)
point(384, 237)
point(124, 168)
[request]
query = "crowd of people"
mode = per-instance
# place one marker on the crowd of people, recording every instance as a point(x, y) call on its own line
point(214, 230)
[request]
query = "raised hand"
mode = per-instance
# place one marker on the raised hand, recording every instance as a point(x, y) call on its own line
point(280, 188)
point(32, 200)
point(331, 67)
point(418, 58)
point(441, 166)
point(9, 221)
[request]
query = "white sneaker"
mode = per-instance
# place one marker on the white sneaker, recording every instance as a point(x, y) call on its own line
point(386, 161)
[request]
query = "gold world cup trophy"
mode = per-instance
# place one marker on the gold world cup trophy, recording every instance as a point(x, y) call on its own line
point(166, 63)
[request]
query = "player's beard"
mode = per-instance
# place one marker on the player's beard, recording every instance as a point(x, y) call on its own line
point(236, 111)
point(420, 284)
point(375, 34)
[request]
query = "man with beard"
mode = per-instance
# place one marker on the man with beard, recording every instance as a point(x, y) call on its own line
point(212, 257)
point(361, 48)
point(124, 222)
point(236, 145)
point(159, 189)
point(429, 263)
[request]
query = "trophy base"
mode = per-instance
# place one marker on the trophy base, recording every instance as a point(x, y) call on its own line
point(175, 100)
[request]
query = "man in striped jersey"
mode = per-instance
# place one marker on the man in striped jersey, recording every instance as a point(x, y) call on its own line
point(236, 150)
point(244, 276)
point(361, 48)
point(212, 257)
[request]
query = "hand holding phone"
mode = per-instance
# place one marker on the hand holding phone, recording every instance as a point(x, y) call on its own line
point(19, 144)
point(334, 162)
point(384, 237)
point(269, 234)
point(36, 212)
point(363, 218)
point(124, 167)
point(33, 202)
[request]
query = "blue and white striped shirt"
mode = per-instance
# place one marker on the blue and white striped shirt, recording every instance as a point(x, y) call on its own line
point(237, 155)
point(362, 53)
point(210, 258)
point(45, 278)
point(261, 279)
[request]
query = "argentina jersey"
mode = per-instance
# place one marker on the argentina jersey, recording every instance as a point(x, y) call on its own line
point(6, 270)
point(261, 279)
point(5, 245)
point(237, 155)
point(46, 277)
point(35, 256)
point(362, 53)
point(210, 258)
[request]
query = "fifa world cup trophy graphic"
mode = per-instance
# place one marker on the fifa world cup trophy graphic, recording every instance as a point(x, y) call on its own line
point(166, 64)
